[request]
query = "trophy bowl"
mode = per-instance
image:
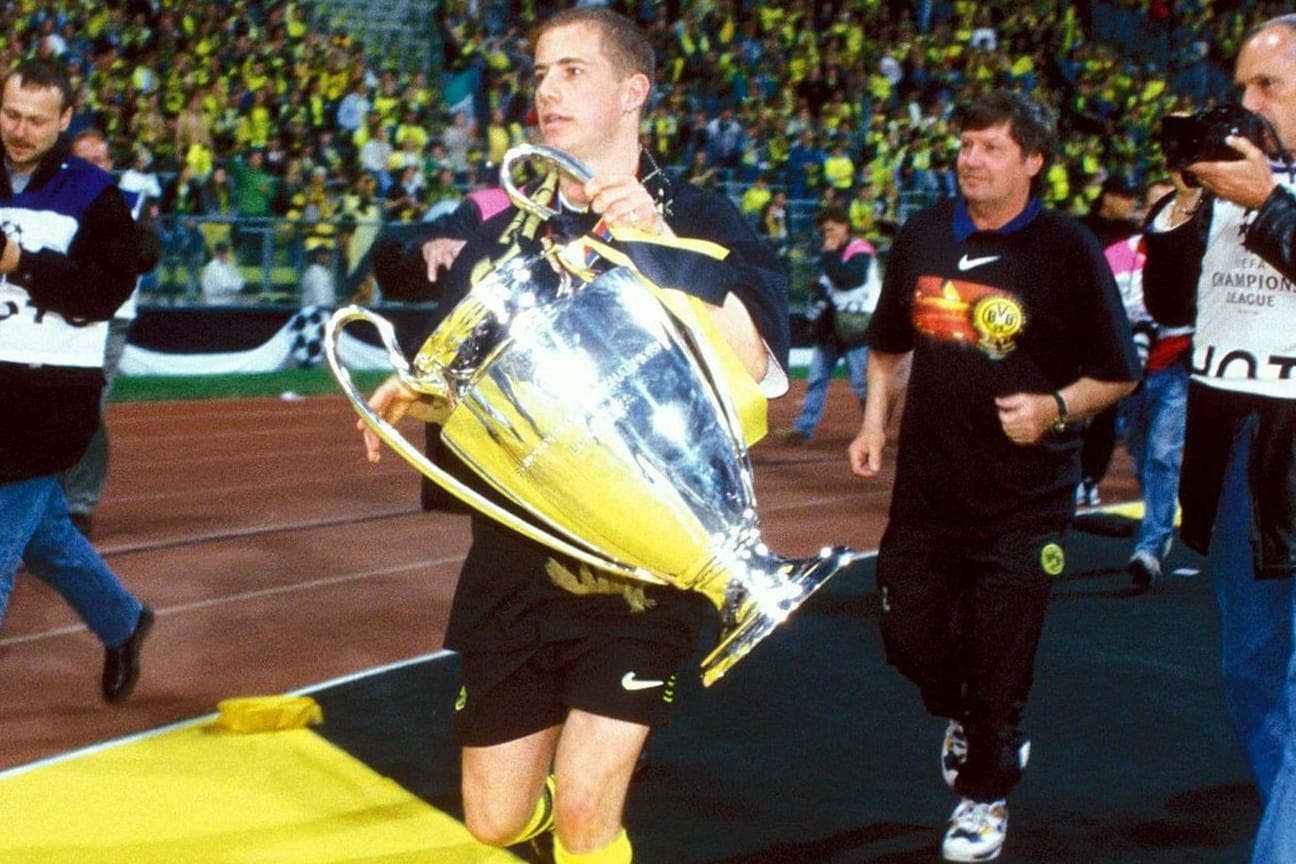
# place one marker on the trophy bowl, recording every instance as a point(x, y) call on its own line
point(603, 419)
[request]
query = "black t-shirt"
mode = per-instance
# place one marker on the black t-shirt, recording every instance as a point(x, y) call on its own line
point(1029, 308)
point(505, 598)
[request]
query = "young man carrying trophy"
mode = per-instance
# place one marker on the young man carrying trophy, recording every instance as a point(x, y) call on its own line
point(566, 669)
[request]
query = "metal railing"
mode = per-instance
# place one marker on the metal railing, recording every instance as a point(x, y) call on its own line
point(271, 255)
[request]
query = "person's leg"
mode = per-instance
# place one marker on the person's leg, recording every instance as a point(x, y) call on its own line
point(618, 689)
point(1166, 402)
point(1095, 456)
point(1255, 625)
point(506, 722)
point(21, 505)
point(503, 782)
point(84, 482)
point(1133, 421)
point(920, 603)
point(823, 359)
point(60, 555)
point(1276, 837)
point(857, 369)
point(1014, 577)
point(593, 767)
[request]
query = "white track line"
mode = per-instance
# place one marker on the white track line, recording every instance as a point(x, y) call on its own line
point(244, 597)
point(162, 730)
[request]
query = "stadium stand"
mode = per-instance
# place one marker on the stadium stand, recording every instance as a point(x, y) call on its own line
point(745, 90)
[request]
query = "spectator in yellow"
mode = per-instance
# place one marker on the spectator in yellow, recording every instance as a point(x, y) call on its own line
point(315, 207)
point(253, 128)
point(411, 126)
point(408, 153)
point(363, 212)
point(863, 209)
point(838, 169)
point(498, 137)
point(754, 200)
point(387, 101)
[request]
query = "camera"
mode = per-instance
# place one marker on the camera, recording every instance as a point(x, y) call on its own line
point(1199, 137)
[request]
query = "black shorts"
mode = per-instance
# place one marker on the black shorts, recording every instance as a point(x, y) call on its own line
point(506, 696)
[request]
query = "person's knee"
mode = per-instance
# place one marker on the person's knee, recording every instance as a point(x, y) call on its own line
point(487, 829)
point(492, 822)
point(581, 816)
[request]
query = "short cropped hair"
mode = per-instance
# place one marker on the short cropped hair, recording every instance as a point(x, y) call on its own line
point(37, 73)
point(622, 40)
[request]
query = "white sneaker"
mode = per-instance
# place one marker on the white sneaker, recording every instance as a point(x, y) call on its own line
point(976, 831)
point(1089, 495)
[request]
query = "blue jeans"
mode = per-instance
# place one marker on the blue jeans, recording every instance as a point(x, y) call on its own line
point(1257, 618)
point(1154, 434)
point(35, 530)
point(823, 360)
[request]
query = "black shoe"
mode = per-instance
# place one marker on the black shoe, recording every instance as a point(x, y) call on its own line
point(122, 664)
point(1144, 570)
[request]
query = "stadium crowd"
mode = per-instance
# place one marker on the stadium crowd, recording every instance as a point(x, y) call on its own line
point(257, 109)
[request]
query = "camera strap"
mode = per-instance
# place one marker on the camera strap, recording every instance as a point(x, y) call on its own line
point(1282, 160)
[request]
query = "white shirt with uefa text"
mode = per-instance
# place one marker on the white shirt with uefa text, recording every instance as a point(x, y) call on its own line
point(1246, 311)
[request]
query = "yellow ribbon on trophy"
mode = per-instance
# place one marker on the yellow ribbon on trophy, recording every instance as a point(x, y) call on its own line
point(692, 312)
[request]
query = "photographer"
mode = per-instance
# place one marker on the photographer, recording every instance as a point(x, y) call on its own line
point(1221, 254)
point(848, 286)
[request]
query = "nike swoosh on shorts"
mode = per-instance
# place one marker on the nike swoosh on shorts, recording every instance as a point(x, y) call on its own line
point(630, 682)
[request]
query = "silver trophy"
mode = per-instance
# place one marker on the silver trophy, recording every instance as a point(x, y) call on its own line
point(601, 416)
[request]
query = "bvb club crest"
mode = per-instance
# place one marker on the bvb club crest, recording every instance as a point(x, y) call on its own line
point(1052, 560)
point(997, 319)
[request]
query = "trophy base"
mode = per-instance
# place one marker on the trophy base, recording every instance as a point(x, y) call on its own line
point(752, 623)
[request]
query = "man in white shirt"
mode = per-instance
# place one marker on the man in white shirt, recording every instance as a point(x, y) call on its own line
point(221, 279)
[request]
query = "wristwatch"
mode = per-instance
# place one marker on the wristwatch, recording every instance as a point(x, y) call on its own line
point(1060, 424)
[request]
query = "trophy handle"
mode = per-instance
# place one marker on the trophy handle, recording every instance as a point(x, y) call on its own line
point(392, 437)
point(525, 152)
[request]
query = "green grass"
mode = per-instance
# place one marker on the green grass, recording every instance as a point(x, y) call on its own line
point(305, 382)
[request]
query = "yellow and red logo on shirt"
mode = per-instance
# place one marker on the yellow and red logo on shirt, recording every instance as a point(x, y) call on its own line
point(951, 310)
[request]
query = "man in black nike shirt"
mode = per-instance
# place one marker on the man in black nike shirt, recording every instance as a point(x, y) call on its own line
point(1011, 326)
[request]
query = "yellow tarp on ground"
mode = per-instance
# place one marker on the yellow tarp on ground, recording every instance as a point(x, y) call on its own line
point(1130, 510)
point(1133, 510)
point(197, 796)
